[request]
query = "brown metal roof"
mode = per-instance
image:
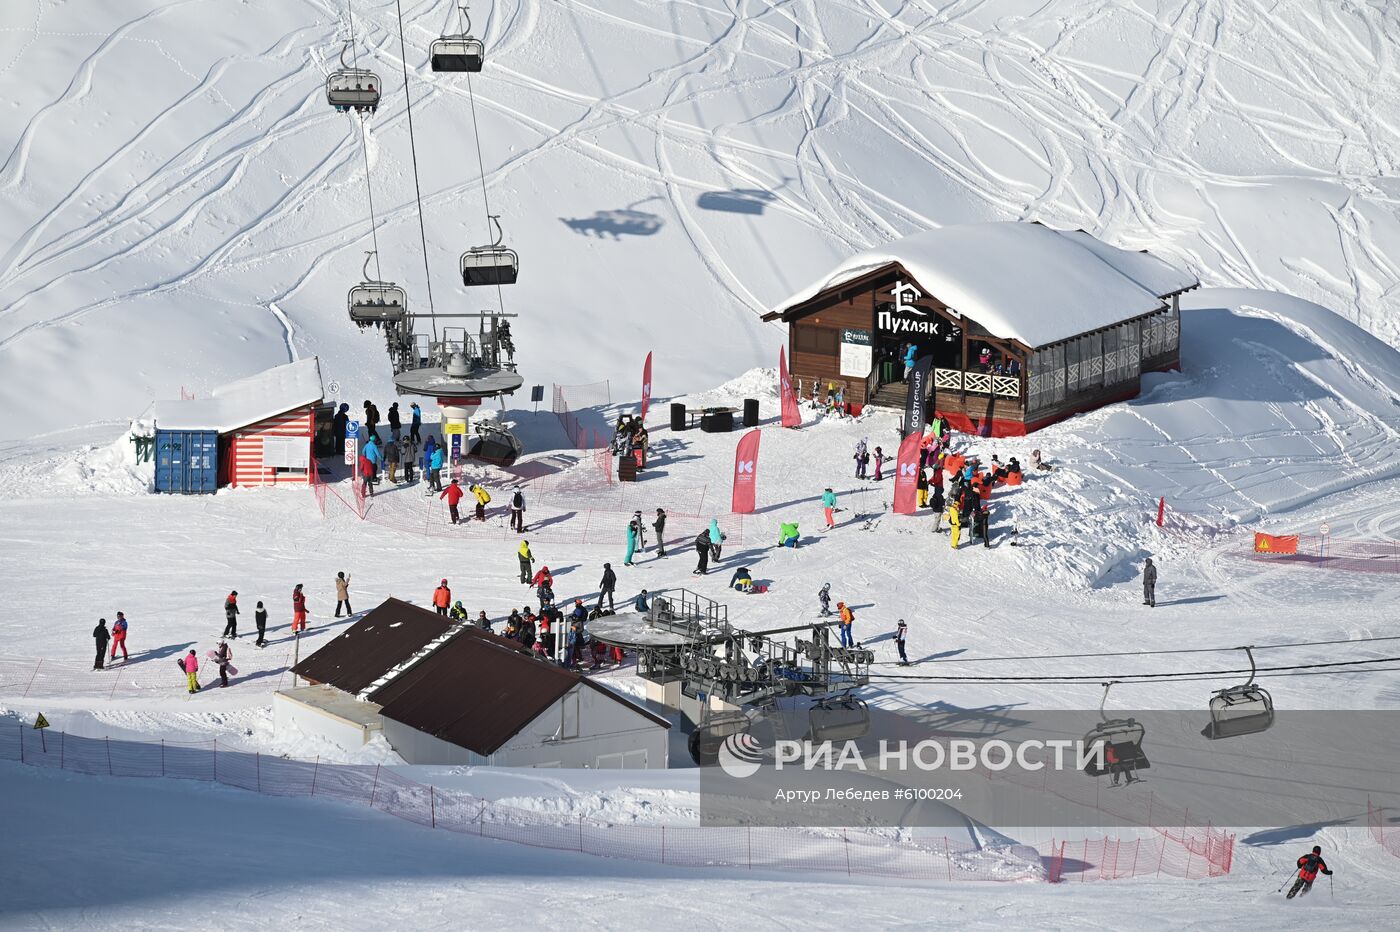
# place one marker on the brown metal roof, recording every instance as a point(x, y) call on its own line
point(371, 647)
point(478, 691)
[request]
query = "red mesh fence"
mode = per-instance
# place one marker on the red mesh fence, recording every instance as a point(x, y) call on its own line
point(1367, 556)
point(834, 851)
point(1385, 835)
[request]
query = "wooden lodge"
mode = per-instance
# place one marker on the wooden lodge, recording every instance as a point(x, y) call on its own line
point(1025, 325)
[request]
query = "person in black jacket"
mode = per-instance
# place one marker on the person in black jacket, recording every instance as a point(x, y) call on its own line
point(1309, 865)
point(371, 419)
point(607, 585)
point(260, 619)
point(395, 425)
point(702, 548)
point(231, 615)
point(1149, 584)
point(338, 423)
point(101, 635)
point(660, 525)
point(517, 511)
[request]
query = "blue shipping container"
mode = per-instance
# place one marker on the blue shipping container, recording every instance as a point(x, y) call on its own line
point(187, 461)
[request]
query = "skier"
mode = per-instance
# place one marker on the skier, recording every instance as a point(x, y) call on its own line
point(861, 457)
point(517, 511)
point(1149, 584)
point(338, 425)
point(824, 597)
point(1308, 867)
point(717, 539)
point(442, 597)
point(483, 498)
point(223, 656)
point(391, 460)
point(260, 619)
point(936, 503)
point(829, 507)
point(190, 664)
point(848, 618)
point(606, 587)
point(901, 635)
point(299, 612)
point(660, 525)
point(525, 557)
point(342, 594)
point(453, 494)
point(119, 637)
point(395, 425)
point(231, 614)
point(101, 635)
point(879, 464)
point(415, 424)
point(954, 524)
point(702, 549)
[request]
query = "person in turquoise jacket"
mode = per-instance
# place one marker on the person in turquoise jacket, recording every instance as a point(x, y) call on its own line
point(631, 545)
point(829, 507)
point(717, 539)
point(910, 357)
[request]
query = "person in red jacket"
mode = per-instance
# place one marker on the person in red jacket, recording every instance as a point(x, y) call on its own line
point(543, 577)
point(1308, 867)
point(119, 637)
point(453, 493)
point(298, 609)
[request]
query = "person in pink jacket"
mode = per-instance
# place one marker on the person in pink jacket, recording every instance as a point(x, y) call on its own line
point(191, 667)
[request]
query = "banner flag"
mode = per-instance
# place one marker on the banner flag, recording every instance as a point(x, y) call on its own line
point(916, 402)
point(746, 473)
point(646, 388)
point(792, 417)
point(906, 476)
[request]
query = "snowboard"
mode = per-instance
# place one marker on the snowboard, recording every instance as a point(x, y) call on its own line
point(210, 655)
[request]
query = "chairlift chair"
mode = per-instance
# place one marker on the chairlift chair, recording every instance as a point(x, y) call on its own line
point(495, 444)
point(1123, 735)
point(490, 265)
point(374, 302)
point(838, 718)
point(352, 88)
point(460, 51)
point(714, 727)
point(1245, 709)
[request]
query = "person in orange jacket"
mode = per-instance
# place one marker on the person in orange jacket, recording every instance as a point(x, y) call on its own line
point(453, 493)
point(442, 597)
point(848, 618)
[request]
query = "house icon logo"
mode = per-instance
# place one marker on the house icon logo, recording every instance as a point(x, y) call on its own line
point(903, 293)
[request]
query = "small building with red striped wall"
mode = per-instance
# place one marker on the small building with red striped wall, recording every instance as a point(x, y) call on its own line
point(265, 425)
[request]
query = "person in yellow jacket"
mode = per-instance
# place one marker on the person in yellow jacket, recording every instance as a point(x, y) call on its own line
point(483, 498)
point(954, 523)
point(526, 557)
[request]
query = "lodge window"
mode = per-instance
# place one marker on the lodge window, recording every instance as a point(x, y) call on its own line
point(809, 339)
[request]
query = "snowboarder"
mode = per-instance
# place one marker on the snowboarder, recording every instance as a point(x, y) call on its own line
point(260, 619)
point(742, 580)
point(190, 664)
point(395, 425)
point(342, 594)
point(702, 550)
point(517, 511)
point(879, 464)
point(606, 587)
point(824, 597)
point(717, 539)
point(788, 534)
point(1149, 584)
point(660, 525)
point(231, 615)
point(442, 597)
point(453, 494)
point(901, 635)
point(416, 424)
point(392, 454)
point(954, 524)
point(299, 612)
point(639, 531)
point(483, 498)
point(829, 507)
point(223, 656)
point(338, 427)
point(101, 635)
point(1308, 867)
point(861, 457)
point(525, 557)
point(847, 619)
point(119, 637)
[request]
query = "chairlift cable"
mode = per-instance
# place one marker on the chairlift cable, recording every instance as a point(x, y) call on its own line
point(364, 147)
point(1126, 677)
point(413, 149)
point(1183, 650)
point(481, 169)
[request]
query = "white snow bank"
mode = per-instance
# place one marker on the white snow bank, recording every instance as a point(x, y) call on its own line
point(1023, 281)
point(245, 401)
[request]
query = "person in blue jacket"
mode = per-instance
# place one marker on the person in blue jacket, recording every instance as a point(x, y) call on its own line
point(374, 454)
point(910, 356)
point(416, 423)
point(435, 463)
point(717, 539)
point(640, 603)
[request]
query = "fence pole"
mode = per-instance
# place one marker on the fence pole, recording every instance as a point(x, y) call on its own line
point(1137, 849)
point(257, 768)
point(32, 677)
point(432, 806)
point(62, 743)
point(846, 846)
point(663, 844)
point(315, 770)
point(216, 760)
point(108, 742)
point(748, 844)
point(948, 857)
point(580, 833)
point(21, 739)
point(371, 789)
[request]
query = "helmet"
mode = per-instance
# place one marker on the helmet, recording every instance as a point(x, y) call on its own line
point(444, 582)
point(1317, 849)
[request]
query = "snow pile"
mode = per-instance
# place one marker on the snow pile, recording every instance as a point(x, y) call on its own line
point(1022, 281)
point(109, 469)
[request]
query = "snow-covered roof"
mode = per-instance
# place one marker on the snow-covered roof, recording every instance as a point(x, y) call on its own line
point(246, 401)
point(1021, 281)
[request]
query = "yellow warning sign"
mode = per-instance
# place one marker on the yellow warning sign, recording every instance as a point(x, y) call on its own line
point(41, 722)
point(453, 427)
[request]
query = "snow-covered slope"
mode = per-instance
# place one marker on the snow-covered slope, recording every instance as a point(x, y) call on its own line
point(183, 208)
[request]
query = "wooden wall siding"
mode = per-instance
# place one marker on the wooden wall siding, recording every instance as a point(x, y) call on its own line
point(245, 449)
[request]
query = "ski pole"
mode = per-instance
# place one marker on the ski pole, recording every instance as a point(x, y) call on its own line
point(1290, 877)
point(1331, 887)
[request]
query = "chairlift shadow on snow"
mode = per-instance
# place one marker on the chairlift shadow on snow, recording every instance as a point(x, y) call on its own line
point(736, 200)
point(627, 221)
point(1290, 833)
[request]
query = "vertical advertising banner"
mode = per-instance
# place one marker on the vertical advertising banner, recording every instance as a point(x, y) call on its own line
point(916, 402)
point(746, 473)
point(906, 476)
point(646, 388)
point(791, 416)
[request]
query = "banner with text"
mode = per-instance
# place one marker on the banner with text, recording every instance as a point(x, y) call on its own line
point(906, 476)
point(746, 473)
point(916, 402)
point(646, 388)
point(791, 416)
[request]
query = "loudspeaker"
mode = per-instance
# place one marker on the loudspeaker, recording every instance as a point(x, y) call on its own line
point(718, 422)
point(677, 415)
point(750, 412)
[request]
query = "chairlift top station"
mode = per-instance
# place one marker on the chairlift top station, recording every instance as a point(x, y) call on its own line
point(454, 365)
